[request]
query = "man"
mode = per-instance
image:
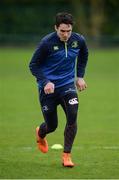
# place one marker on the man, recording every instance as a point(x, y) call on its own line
point(53, 64)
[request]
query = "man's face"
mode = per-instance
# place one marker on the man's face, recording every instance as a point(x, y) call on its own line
point(64, 31)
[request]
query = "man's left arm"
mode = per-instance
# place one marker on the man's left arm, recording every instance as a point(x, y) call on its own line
point(81, 65)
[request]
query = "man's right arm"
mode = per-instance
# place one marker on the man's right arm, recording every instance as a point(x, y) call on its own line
point(35, 64)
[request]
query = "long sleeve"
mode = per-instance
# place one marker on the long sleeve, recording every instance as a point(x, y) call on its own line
point(35, 64)
point(82, 58)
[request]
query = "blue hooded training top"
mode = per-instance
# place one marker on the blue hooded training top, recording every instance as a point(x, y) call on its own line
point(56, 61)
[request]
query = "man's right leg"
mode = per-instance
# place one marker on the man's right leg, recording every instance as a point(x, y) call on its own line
point(50, 123)
point(49, 110)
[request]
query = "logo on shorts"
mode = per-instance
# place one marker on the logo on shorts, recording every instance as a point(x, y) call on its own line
point(70, 90)
point(73, 101)
point(45, 108)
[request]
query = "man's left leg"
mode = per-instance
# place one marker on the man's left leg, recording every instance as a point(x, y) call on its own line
point(70, 106)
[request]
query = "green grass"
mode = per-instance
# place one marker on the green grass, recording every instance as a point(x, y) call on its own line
point(96, 148)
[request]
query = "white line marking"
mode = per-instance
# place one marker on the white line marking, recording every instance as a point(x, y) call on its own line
point(31, 148)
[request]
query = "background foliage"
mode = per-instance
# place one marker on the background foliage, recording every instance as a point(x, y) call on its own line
point(28, 20)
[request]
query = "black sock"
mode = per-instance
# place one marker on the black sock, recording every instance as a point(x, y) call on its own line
point(43, 130)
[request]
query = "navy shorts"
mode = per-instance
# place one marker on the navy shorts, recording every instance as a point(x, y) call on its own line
point(65, 96)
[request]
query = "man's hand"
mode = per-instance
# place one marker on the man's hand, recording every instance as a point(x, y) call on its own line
point(81, 84)
point(49, 88)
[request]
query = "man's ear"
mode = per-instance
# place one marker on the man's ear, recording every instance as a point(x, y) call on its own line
point(55, 28)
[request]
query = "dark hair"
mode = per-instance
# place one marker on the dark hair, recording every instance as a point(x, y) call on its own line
point(64, 17)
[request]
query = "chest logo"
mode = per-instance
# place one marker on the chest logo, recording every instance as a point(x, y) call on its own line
point(74, 44)
point(55, 48)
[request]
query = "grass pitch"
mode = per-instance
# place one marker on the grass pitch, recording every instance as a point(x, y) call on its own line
point(96, 148)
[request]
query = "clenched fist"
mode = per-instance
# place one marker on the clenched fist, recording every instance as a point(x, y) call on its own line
point(49, 88)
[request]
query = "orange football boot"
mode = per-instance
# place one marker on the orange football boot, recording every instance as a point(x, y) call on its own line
point(66, 160)
point(41, 142)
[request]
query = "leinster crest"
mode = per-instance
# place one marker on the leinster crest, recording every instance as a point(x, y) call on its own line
point(74, 44)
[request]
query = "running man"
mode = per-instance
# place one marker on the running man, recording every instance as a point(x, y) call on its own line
point(59, 64)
